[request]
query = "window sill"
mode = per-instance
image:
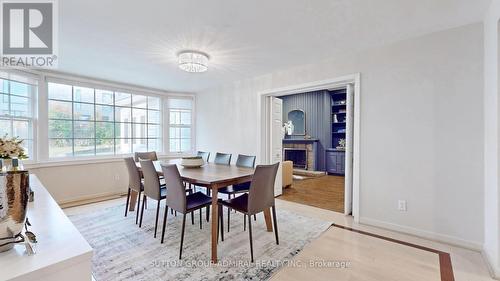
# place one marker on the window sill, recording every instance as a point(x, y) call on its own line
point(91, 161)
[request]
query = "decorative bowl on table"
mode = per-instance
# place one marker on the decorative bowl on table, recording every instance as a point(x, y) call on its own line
point(192, 162)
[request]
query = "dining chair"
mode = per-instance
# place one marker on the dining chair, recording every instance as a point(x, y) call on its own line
point(222, 158)
point(179, 201)
point(244, 161)
point(260, 197)
point(134, 184)
point(204, 155)
point(150, 155)
point(152, 188)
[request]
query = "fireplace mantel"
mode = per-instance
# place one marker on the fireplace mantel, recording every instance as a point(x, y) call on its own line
point(300, 140)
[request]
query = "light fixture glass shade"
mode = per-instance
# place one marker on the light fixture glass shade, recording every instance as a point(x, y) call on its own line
point(192, 61)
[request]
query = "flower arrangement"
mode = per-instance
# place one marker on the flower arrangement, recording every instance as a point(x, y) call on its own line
point(342, 144)
point(10, 147)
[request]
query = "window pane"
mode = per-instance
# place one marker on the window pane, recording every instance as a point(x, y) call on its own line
point(104, 130)
point(60, 110)
point(154, 131)
point(185, 133)
point(123, 130)
point(27, 144)
point(139, 130)
point(83, 111)
point(153, 117)
point(105, 146)
point(140, 145)
point(85, 147)
point(174, 133)
point(139, 101)
point(180, 103)
point(122, 114)
point(4, 105)
point(84, 129)
point(21, 129)
point(60, 147)
point(60, 129)
point(4, 86)
point(175, 145)
point(186, 118)
point(60, 92)
point(139, 115)
point(20, 89)
point(103, 97)
point(175, 117)
point(5, 127)
point(20, 106)
point(104, 113)
point(82, 94)
point(123, 99)
point(154, 145)
point(123, 146)
point(185, 144)
point(154, 103)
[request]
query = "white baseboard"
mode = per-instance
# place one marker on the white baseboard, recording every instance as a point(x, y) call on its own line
point(494, 270)
point(455, 241)
point(82, 200)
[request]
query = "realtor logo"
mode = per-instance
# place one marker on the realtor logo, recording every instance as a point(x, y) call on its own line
point(28, 33)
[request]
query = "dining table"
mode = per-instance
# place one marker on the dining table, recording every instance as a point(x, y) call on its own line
point(212, 176)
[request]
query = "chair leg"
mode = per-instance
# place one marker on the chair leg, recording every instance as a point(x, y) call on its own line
point(192, 218)
point(142, 209)
point(275, 222)
point(146, 203)
point(138, 207)
point(128, 200)
point(200, 219)
point(175, 213)
point(244, 222)
point(255, 217)
point(157, 214)
point(171, 211)
point(228, 218)
point(164, 223)
point(250, 235)
point(221, 216)
point(182, 234)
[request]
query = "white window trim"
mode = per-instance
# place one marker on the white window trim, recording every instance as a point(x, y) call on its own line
point(40, 156)
point(166, 146)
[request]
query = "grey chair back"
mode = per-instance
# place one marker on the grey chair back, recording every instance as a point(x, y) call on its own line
point(245, 161)
point(176, 191)
point(261, 193)
point(150, 155)
point(222, 158)
point(204, 155)
point(151, 179)
point(134, 177)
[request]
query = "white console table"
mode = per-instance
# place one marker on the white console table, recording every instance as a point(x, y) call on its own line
point(62, 253)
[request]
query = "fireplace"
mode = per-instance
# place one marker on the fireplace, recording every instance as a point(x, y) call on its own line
point(298, 156)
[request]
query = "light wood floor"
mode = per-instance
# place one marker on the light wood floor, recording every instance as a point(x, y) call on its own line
point(326, 192)
point(370, 258)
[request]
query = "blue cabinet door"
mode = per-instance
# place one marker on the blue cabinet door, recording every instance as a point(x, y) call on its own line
point(335, 162)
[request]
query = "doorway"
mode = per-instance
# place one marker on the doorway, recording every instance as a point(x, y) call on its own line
point(269, 144)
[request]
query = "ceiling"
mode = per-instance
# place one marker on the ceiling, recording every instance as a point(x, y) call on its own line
point(137, 41)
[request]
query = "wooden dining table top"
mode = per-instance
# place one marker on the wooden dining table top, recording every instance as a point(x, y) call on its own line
point(208, 174)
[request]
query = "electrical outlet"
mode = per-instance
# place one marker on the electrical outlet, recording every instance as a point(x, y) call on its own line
point(402, 205)
point(117, 177)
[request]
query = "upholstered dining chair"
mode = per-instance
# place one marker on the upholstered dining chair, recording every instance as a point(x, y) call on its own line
point(260, 197)
point(179, 201)
point(222, 158)
point(152, 188)
point(134, 184)
point(244, 161)
point(149, 155)
point(204, 155)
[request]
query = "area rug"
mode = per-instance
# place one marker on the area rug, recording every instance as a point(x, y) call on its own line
point(123, 251)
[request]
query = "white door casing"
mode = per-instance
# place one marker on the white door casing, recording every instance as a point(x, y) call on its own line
point(276, 114)
point(349, 150)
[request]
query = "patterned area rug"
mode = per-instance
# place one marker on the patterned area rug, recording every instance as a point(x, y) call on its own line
point(123, 251)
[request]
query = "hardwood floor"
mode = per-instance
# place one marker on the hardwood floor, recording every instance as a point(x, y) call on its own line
point(326, 192)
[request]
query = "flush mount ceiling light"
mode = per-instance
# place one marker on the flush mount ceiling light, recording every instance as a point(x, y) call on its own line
point(193, 61)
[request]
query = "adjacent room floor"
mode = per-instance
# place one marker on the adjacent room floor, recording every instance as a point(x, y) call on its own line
point(370, 255)
point(326, 192)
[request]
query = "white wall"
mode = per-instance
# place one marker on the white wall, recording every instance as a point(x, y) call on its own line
point(491, 107)
point(421, 129)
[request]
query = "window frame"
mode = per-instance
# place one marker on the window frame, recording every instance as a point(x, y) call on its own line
point(192, 126)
